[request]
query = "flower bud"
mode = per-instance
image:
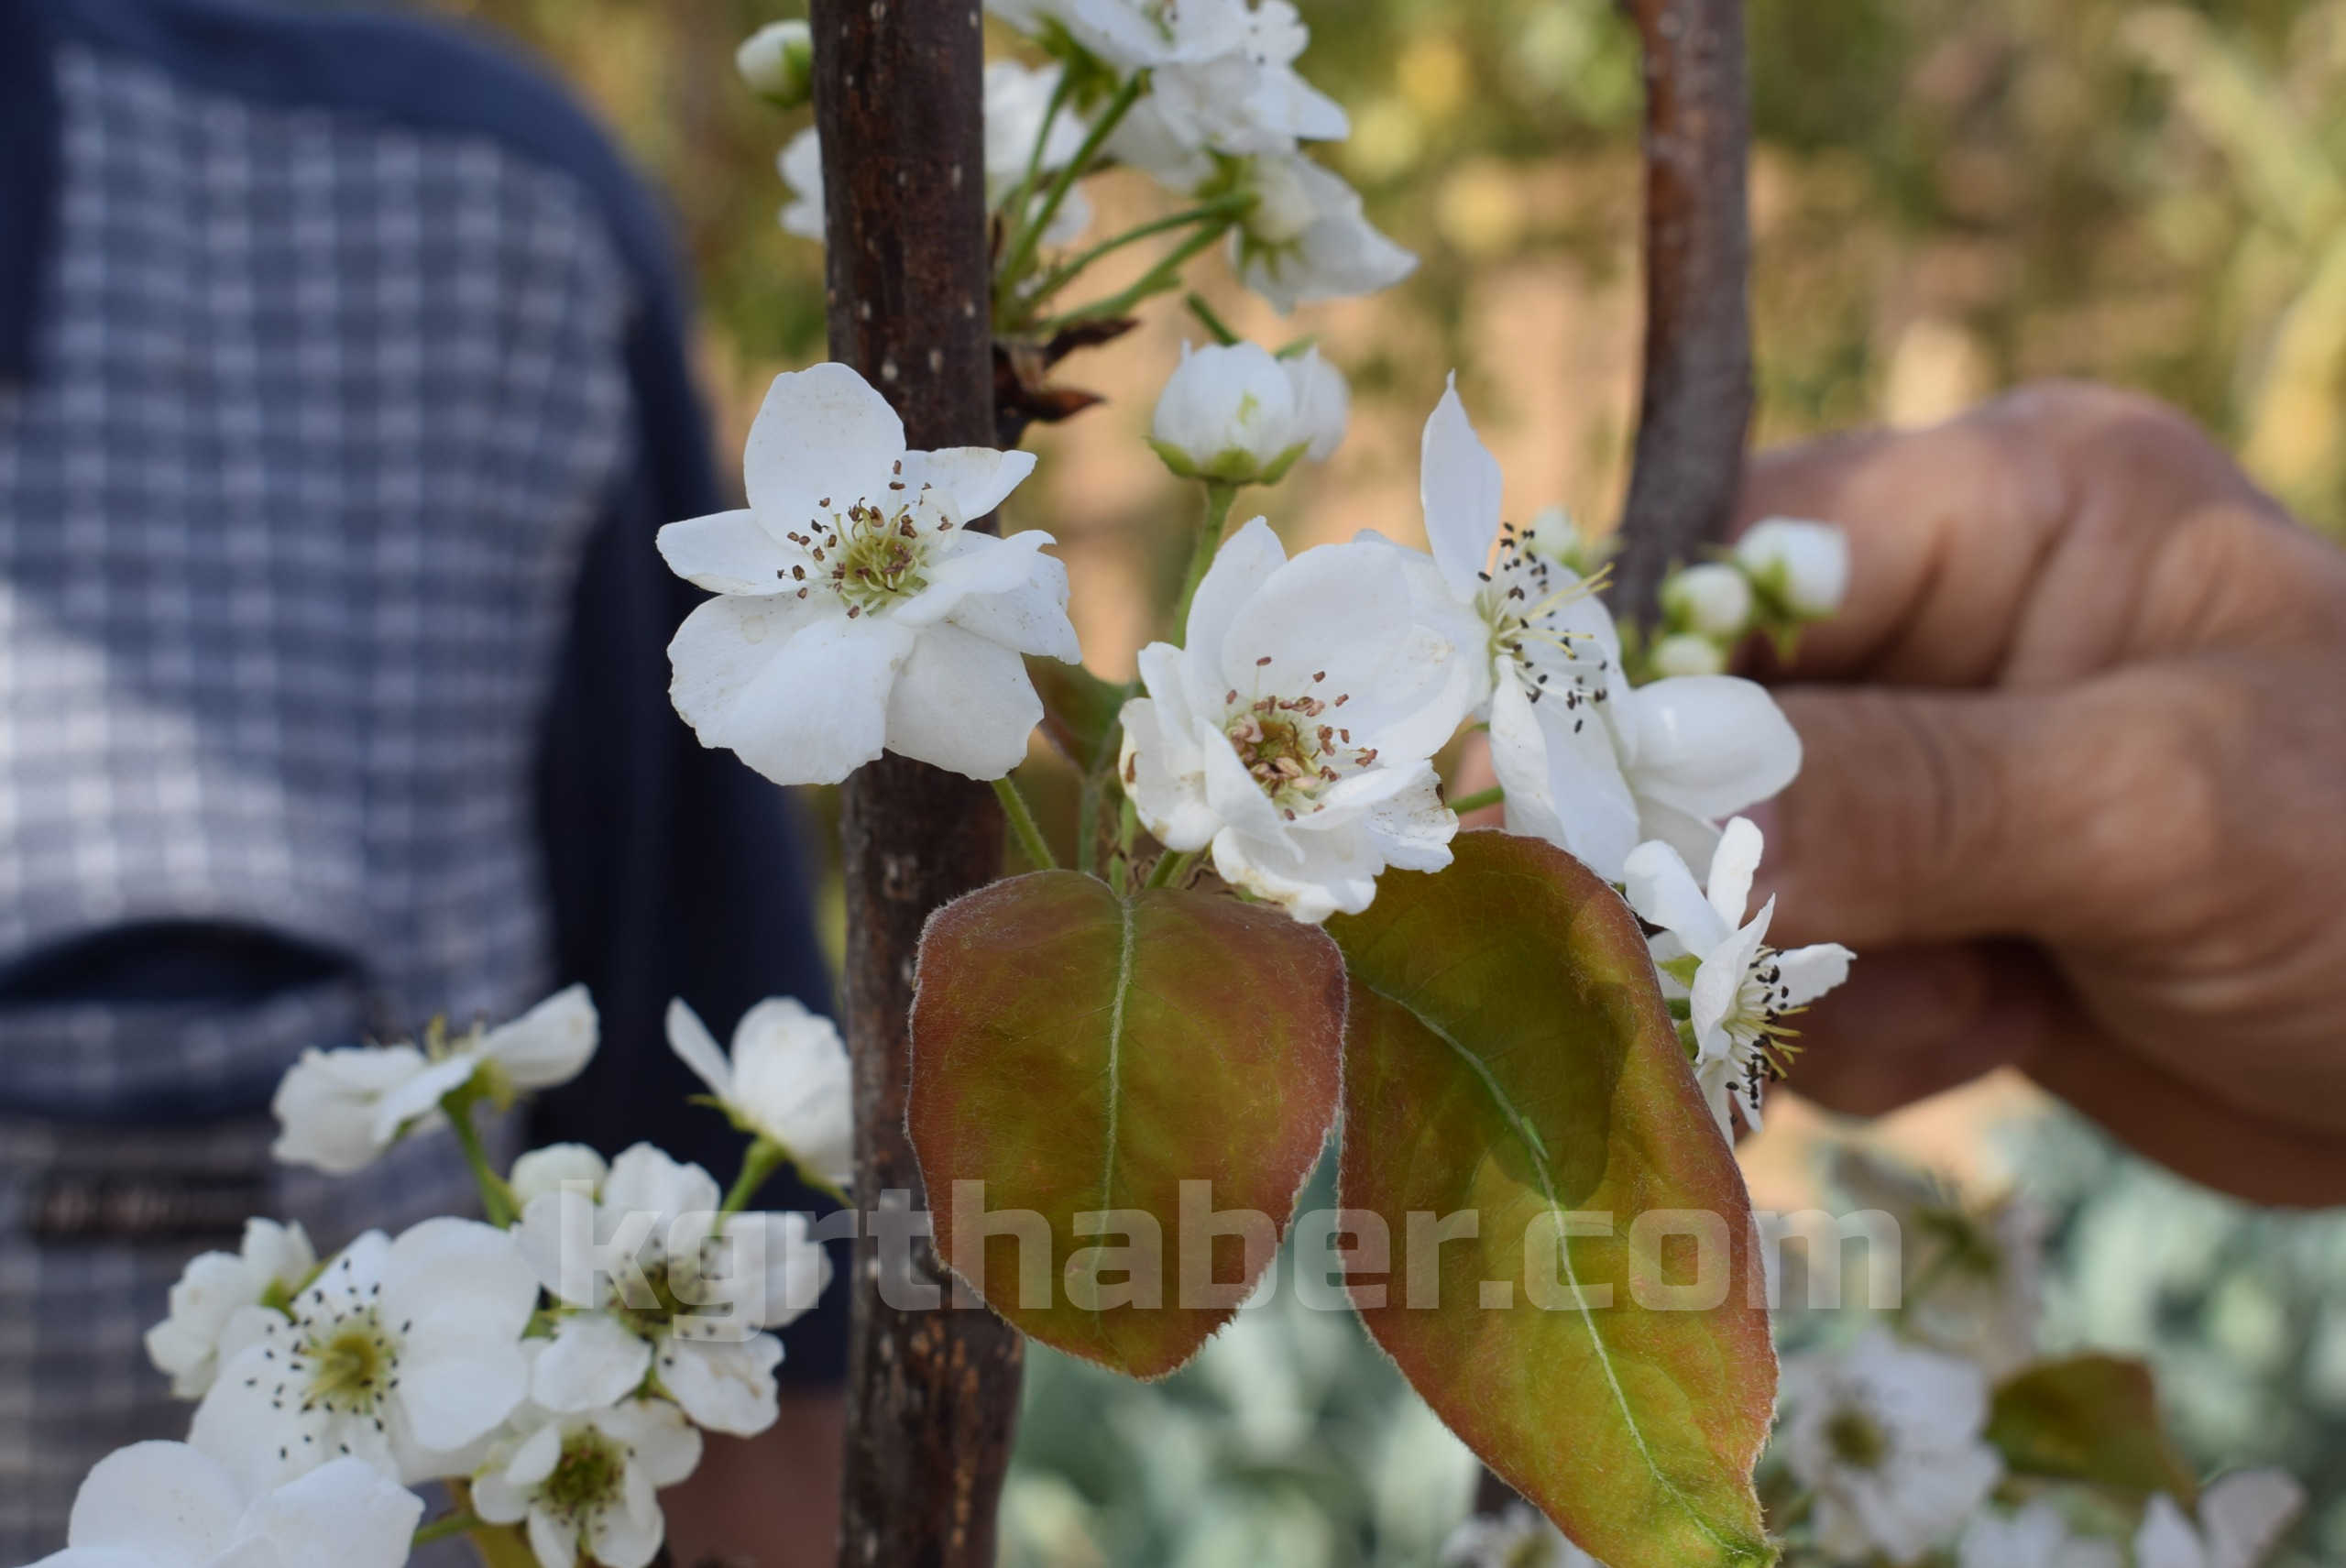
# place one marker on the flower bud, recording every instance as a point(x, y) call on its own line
point(778, 62)
point(1228, 414)
point(1805, 566)
point(1713, 599)
point(1688, 653)
point(1324, 403)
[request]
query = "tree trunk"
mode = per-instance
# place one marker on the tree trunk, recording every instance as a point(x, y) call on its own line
point(1696, 403)
point(932, 1396)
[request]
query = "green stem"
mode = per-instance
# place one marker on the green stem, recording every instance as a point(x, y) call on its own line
point(1021, 256)
point(1173, 870)
point(1479, 799)
point(1060, 277)
point(496, 1197)
point(1034, 171)
point(1022, 823)
point(1220, 498)
point(1207, 318)
point(764, 1157)
point(463, 1521)
point(1164, 275)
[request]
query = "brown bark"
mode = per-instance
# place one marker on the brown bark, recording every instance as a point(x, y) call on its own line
point(932, 1396)
point(1696, 403)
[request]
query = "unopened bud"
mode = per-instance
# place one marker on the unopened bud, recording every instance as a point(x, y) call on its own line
point(1688, 653)
point(1805, 566)
point(1713, 599)
point(1229, 414)
point(778, 62)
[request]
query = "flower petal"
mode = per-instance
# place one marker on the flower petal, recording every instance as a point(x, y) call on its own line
point(1803, 974)
point(593, 1360)
point(460, 1273)
point(1664, 893)
point(549, 1045)
point(1459, 484)
point(977, 479)
point(1030, 617)
point(1707, 744)
point(728, 553)
point(697, 1048)
point(823, 432)
point(793, 1081)
point(807, 705)
point(1243, 564)
point(963, 704)
point(725, 1387)
point(344, 1512)
point(163, 1504)
point(1164, 777)
point(1733, 863)
point(457, 1391)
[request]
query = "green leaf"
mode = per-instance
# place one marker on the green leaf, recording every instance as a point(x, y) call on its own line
point(1508, 1054)
point(1080, 1053)
point(1079, 710)
point(2093, 1418)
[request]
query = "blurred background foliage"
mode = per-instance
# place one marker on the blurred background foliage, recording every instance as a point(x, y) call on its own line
point(1950, 196)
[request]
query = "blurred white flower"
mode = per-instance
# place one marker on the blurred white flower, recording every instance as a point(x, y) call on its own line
point(1248, 99)
point(1739, 989)
point(2037, 1536)
point(1324, 403)
point(687, 1308)
point(1228, 413)
point(1713, 599)
point(585, 1483)
point(544, 1048)
point(1985, 1264)
point(1552, 535)
point(788, 1080)
point(801, 164)
point(856, 613)
point(1889, 1439)
point(328, 1105)
point(2242, 1517)
point(1132, 34)
point(400, 1353)
point(1804, 567)
point(1293, 735)
point(1307, 238)
point(273, 1263)
point(544, 1170)
point(166, 1505)
point(778, 62)
point(1688, 653)
point(1520, 1538)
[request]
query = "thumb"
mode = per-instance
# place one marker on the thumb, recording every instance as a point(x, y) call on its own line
point(1922, 814)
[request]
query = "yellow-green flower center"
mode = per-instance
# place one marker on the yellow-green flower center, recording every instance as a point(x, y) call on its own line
point(1293, 747)
point(1856, 1439)
point(588, 1475)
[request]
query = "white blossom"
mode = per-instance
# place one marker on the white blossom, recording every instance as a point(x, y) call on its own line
point(1889, 1439)
point(166, 1505)
point(274, 1262)
point(1740, 989)
point(2036, 1536)
point(1986, 1264)
point(1713, 599)
point(328, 1105)
point(1805, 566)
point(544, 1048)
point(1520, 1538)
point(544, 1170)
point(801, 165)
point(685, 1308)
point(585, 1483)
point(1229, 413)
point(1248, 99)
point(1688, 653)
point(1307, 237)
point(788, 1080)
point(1553, 536)
point(1126, 36)
point(1324, 403)
point(2242, 1517)
point(856, 613)
point(778, 62)
point(400, 1353)
point(1293, 734)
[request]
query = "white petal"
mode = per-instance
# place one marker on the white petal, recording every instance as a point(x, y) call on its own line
point(549, 1045)
point(554, 1537)
point(793, 1082)
point(593, 1361)
point(976, 478)
point(1808, 973)
point(667, 1447)
point(963, 704)
point(728, 553)
point(625, 1535)
point(344, 1512)
point(1707, 744)
point(1662, 890)
point(822, 433)
point(325, 1105)
point(403, 1108)
point(1243, 564)
point(545, 1170)
point(1165, 779)
point(794, 1268)
point(724, 1386)
point(1459, 484)
point(649, 1180)
point(1719, 980)
point(1519, 758)
point(697, 1048)
point(2245, 1513)
point(456, 1390)
point(1733, 865)
point(162, 1503)
point(459, 1272)
point(1030, 617)
point(808, 706)
point(1584, 781)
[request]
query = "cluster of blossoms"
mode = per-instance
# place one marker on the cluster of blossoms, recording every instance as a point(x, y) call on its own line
point(556, 1366)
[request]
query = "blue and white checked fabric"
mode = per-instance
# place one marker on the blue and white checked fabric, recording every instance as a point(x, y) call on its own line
point(289, 525)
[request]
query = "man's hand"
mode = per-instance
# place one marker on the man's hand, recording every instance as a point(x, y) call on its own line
point(2075, 783)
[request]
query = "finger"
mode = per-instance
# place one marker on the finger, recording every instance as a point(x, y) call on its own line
point(1911, 1023)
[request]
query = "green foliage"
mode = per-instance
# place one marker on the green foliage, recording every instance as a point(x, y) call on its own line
point(2092, 1417)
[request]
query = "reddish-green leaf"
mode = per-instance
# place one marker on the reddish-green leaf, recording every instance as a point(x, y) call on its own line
point(1509, 1055)
point(2093, 1418)
point(1080, 1053)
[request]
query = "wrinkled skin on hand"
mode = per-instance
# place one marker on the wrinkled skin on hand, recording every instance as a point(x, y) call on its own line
point(2075, 783)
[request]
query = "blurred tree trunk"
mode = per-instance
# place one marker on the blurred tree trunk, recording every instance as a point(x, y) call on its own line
point(932, 1396)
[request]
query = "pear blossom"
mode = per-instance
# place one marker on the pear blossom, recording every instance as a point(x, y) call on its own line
point(1687, 653)
point(1293, 735)
point(583, 1485)
point(1229, 414)
point(400, 1353)
point(800, 164)
point(1307, 237)
point(1712, 601)
point(778, 62)
point(1249, 98)
point(1126, 36)
point(167, 1504)
point(1324, 403)
point(1890, 1440)
point(544, 1048)
point(2242, 1519)
point(1802, 567)
point(274, 1262)
point(1520, 1538)
point(1739, 990)
point(1985, 1264)
point(2037, 1536)
point(328, 1105)
point(788, 1080)
point(856, 613)
point(544, 1170)
point(687, 1312)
